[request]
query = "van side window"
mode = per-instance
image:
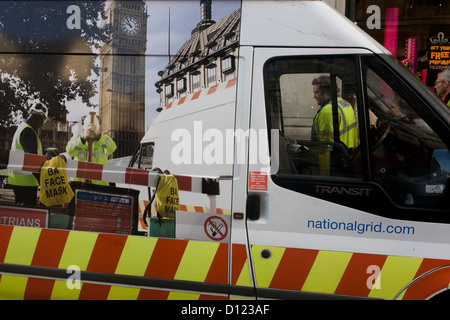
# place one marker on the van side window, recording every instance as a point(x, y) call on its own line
point(146, 159)
point(365, 142)
point(312, 102)
point(410, 161)
point(143, 158)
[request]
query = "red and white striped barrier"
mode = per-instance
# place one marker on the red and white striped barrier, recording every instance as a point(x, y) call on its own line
point(20, 161)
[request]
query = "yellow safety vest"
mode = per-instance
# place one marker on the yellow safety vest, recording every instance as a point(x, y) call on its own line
point(100, 151)
point(323, 124)
point(23, 178)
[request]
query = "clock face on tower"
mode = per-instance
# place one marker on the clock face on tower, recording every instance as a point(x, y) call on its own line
point(130, 25)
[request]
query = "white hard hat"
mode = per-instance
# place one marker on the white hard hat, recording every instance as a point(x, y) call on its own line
point(40, 109)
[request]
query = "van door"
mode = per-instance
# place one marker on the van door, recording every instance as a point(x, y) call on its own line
point(328, 216)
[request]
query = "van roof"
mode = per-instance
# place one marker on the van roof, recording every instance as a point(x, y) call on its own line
point(300, 24)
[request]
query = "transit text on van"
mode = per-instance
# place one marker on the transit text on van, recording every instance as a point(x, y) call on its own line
point(351, 191)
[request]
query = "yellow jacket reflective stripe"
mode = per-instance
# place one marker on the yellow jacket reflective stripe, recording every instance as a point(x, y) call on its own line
point(323, 124)
point(23, 178)
point(101, 149)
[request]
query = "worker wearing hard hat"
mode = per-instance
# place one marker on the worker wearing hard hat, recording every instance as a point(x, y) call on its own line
point(25, 184)
point(102, 144)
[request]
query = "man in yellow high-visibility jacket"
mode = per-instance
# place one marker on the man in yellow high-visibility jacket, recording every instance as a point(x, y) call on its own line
point(102, 145)
point(25, 184)
point(323, 129)
point(323, 126)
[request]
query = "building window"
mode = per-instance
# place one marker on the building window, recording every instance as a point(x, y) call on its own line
point(183, 62)
point(171, 69)
point(211, 47)
point(181, 85)
point(211, 78)
point(196, 55)
point(228, 64)
point(229, 38)
point(195, 81)
point(169, 90)
point(228, 67)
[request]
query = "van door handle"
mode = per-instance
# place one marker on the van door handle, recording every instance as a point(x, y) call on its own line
point(253, 207)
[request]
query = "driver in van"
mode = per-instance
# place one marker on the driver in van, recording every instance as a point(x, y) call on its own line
point(322, 129)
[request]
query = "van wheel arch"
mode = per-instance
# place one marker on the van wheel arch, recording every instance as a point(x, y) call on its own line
point(443, 295)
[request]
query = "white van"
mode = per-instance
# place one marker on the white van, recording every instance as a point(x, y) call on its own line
point(278, 213)
point(380, 212)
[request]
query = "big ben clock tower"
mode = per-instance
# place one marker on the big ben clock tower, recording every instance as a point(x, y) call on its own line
point(122, 77)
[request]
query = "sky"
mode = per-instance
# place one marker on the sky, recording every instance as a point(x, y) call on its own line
point(184, 16)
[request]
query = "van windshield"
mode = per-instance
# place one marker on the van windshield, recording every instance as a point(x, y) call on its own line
point(388, 106)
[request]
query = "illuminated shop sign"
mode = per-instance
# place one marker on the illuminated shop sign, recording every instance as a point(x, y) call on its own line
point(439, 52)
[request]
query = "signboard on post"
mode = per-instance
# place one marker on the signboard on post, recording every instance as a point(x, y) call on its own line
point(105, 209)
point(102, 212)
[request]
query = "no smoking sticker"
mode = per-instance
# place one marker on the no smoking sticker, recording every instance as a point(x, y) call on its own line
point(216, 228)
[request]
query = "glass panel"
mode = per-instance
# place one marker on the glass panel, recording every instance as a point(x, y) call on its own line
point(211, 76)
point(146, 158)
point(107, 57)
point(409, 160)
point(311, 102)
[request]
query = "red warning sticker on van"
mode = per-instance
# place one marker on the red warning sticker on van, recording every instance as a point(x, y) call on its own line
point(257, 181)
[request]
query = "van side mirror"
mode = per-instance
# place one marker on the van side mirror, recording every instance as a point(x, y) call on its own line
point(210, 187)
